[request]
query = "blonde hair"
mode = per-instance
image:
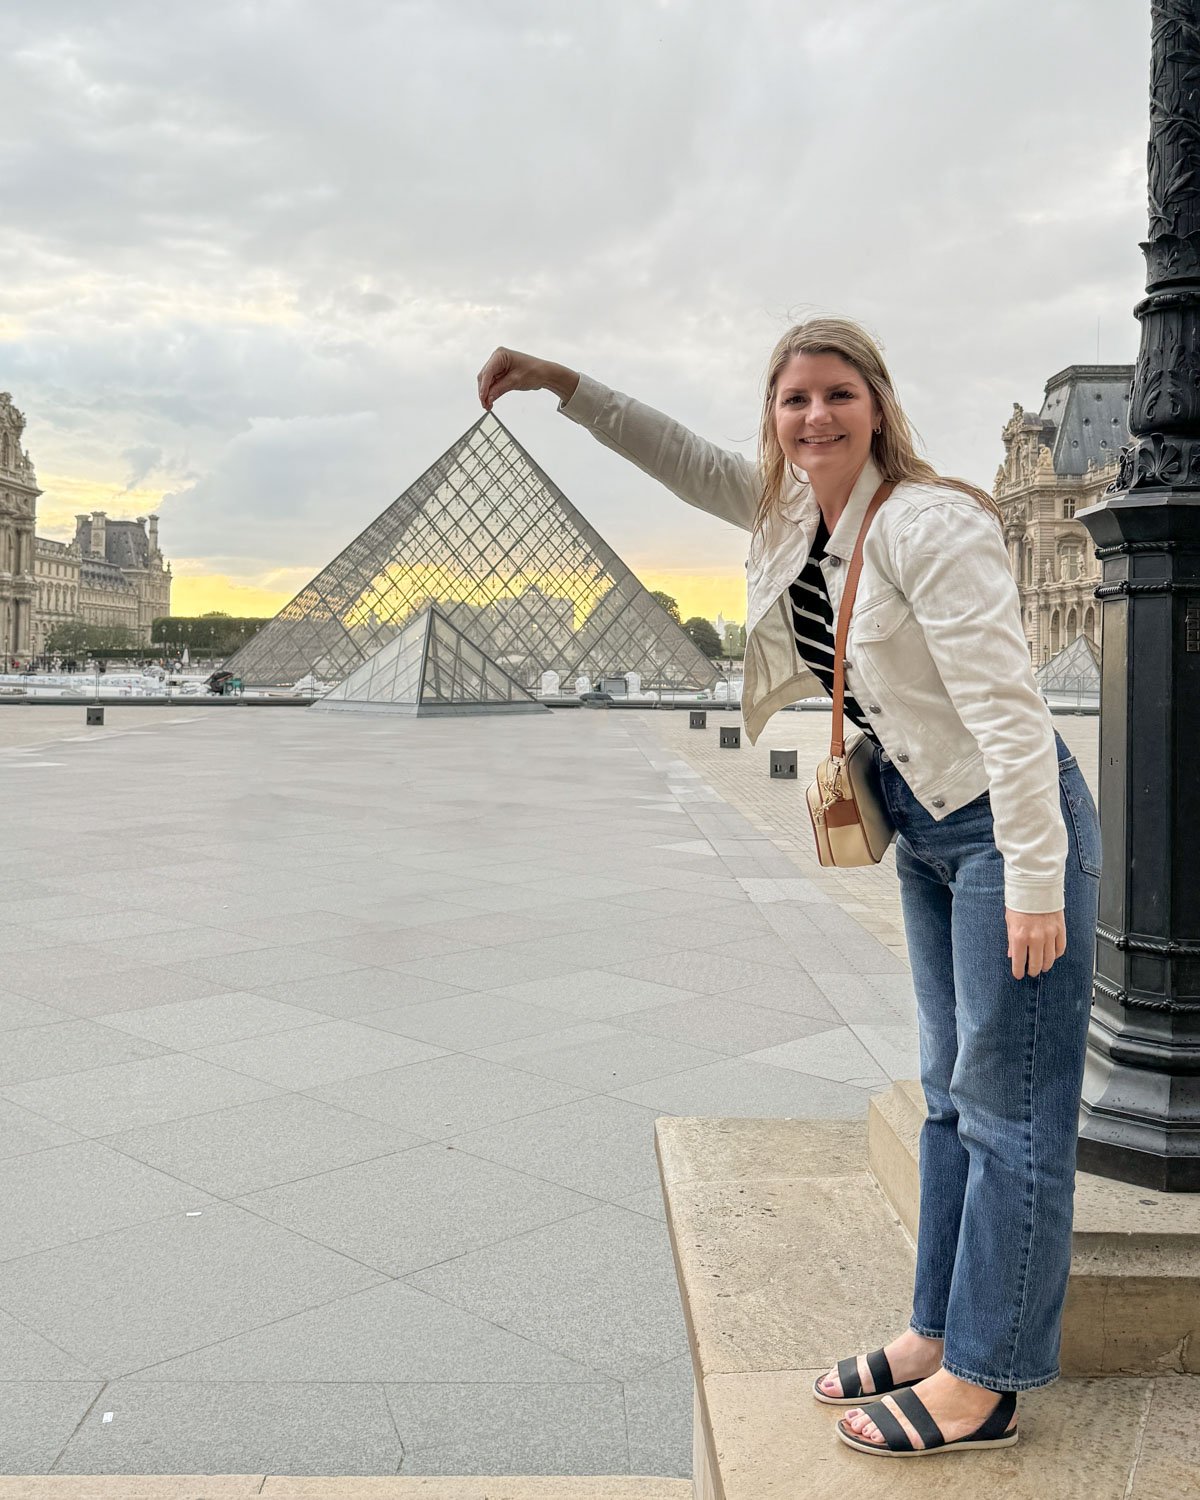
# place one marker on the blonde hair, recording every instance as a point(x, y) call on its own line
point(892, 447)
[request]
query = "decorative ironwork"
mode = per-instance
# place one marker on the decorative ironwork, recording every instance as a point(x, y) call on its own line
point(1164, 410)
point(497, 546)
point(1129, 549)
point(1124, 588)
point(1160, 947)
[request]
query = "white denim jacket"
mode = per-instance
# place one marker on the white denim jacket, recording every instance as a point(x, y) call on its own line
point(937, 656)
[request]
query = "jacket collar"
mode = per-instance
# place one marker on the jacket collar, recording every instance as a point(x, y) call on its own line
point(845, 533)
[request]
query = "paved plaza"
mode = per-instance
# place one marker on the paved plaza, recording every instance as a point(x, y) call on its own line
point(332, 1052)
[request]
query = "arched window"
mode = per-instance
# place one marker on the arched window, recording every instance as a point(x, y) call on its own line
point(1089, 625)
point(1072, 627)
point(1055, 633)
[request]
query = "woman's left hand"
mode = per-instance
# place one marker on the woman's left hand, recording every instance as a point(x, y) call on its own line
point(1035, 940)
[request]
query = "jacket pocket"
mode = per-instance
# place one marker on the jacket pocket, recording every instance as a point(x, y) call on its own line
point(878, 619)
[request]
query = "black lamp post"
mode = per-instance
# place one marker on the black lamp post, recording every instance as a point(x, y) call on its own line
point(1141, 1100)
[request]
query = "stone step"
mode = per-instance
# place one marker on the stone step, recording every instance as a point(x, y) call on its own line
point(1133, 1303)
point(789, 1256)
point(284, 1487)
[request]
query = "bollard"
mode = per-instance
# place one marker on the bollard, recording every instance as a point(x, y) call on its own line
point(731, 739)
point(698, 719)
point(783, 765)
point(95, 714)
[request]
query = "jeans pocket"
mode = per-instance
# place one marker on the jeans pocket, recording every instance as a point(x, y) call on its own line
point(1084, 823)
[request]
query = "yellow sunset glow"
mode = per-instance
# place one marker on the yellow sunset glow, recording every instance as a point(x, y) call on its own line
point(704, 594)
point(201, 593)
point(65, 496)
point(195, 592)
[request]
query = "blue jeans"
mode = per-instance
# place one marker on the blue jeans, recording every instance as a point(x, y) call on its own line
point(1002, 1072)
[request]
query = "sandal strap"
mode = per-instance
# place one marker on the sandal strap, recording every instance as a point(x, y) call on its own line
point(894, 1435)
point(997, 1423)
point(849, 1377)
point(881, 1371)
point(918, 1414)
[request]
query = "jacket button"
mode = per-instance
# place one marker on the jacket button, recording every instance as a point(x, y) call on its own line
point(900, 756)
point(874, 708)
point(939, 802)
point(834, 562)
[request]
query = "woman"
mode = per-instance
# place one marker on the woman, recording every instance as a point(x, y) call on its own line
point(997, 848)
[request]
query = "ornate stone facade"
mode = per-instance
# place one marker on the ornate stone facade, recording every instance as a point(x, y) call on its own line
point(18, 509)
point(1056, 462)
point(123, 579)
point(56, 585)
point(112, 573)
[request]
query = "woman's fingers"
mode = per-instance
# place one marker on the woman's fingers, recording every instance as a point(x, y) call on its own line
point(1035, 941)
point(491, 377)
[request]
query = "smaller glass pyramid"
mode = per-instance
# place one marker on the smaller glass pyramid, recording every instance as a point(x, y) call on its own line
point(430, 668)
point(1073, 676)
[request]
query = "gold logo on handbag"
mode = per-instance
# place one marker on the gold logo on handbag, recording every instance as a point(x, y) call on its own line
point(849, 817)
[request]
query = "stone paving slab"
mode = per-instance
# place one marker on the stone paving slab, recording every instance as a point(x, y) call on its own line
point(410, 1036)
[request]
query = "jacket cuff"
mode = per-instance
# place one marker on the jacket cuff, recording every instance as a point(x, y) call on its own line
point(586, 403)
point(1035, 897)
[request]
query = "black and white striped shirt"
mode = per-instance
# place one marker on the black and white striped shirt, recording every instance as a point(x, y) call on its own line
point(812, 619)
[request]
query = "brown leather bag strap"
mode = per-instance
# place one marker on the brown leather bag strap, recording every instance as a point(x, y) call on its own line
point(837, 743)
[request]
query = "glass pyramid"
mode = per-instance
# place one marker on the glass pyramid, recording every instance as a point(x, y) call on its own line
point(497, 546)
point(430, 668)
point(1076, 669)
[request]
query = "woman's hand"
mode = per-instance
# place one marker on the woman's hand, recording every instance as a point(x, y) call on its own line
point(1035, 940)
point(510, 370)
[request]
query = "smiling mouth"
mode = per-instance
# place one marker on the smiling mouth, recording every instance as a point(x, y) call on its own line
point(821, 442)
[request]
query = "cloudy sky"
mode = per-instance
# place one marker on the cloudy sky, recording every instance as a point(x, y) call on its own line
point(256, 250)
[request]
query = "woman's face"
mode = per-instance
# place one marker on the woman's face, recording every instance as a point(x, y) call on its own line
point(824, 416)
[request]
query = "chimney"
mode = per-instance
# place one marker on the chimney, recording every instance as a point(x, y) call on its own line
point(80, 523)
point(153, 535)
point(99, 518)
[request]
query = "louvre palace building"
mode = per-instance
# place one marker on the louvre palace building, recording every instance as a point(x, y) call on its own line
point(1058, 461)
point(111, 573)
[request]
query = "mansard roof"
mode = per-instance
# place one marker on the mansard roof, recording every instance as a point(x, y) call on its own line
point(1085, 416)
point(125, 542)
point(104, 575)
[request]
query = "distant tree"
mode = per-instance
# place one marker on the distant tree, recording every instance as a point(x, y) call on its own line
point(214, 635)
point(75, 638)
point(704, 634)
point(667, 603)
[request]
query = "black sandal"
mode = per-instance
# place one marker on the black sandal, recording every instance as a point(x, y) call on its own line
point(851, 1382)
point(896, 1443)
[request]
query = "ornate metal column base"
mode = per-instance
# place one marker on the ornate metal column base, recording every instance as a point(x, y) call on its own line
point(1141, 1101)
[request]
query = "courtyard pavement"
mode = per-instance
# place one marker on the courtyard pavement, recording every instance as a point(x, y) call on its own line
point(332, 1049)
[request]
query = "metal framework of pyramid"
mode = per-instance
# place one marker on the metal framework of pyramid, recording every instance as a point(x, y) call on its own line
point(430, 668)
point(1074, 671)
point(497, 546)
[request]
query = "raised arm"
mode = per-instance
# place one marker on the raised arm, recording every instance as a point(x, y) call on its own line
point(711, 478)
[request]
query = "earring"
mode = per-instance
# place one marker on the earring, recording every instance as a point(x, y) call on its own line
point(879, 428)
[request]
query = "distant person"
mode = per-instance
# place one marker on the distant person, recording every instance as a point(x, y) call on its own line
point(998, 847)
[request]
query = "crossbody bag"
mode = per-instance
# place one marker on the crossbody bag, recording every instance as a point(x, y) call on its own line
point(849, 816)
